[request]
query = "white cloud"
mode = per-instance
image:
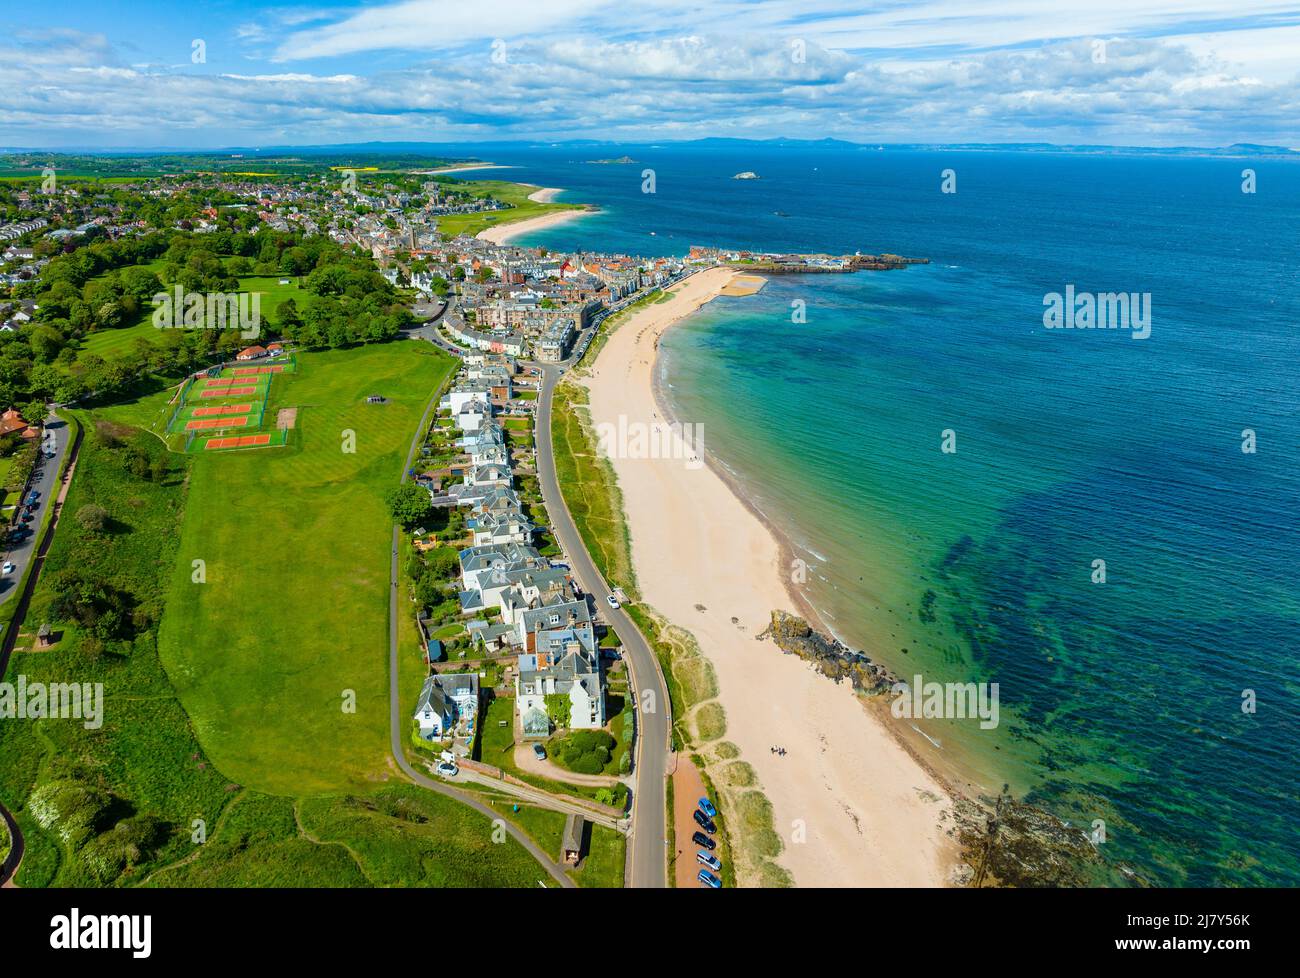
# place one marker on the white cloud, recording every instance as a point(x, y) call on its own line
point(68, 88)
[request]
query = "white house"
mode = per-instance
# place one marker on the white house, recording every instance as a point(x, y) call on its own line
point(565, 667)
point(448, 701)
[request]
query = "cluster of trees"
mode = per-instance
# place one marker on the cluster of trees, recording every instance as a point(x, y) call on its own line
point(106, 285)
point(584, 751)
point(99, 608)
point(75, 807)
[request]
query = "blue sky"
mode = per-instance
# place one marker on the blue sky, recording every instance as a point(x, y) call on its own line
point(145, 73)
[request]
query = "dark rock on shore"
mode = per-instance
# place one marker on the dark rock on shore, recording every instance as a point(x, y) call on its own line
point(1019, 845)
point(832, 658)
point(1003, 843)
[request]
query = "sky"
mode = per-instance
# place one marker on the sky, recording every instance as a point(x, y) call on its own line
point(119, 74)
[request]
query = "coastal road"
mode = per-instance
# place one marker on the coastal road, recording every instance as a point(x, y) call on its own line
point(45, 481)
point(647, 842)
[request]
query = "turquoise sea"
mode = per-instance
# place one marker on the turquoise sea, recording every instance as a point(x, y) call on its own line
point(1121, 701)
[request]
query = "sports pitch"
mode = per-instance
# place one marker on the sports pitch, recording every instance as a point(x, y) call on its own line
point(210, 407)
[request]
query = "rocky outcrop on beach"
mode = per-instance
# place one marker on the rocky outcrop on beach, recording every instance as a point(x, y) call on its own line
point(831, 657)
point(1003, 843)
point(1017, 844)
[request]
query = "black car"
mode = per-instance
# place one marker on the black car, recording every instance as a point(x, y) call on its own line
point(702, 840)
point(704, 822)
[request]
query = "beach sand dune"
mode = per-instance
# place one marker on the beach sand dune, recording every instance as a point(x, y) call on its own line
point(852, 806)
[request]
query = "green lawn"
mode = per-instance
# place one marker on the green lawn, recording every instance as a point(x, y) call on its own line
point(603, 864)
point(290, 626)
point(194, 740)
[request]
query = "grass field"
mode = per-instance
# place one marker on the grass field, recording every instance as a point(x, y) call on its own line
point(590, 488)
point(515, 194)
point(112, 343)
point(289, 628)
point(601, 868)
point(394, 836)
point(116, 806)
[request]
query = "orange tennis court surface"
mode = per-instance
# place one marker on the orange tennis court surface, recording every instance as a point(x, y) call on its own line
point(201, 423)
point(222, 409)
point(243, 441)
point(239, 371)
point(228, 392)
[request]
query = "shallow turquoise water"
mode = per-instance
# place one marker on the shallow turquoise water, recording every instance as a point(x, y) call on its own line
point(1121, 701)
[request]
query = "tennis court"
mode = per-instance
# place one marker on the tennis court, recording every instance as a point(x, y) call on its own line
point(240, 441)
point(207, 424)
point(212, 411)
point(228, 392)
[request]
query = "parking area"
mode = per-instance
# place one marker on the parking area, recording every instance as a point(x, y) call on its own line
point(688, 789)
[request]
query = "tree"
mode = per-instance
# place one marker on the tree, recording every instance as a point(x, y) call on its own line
point(408, 503)
point(93, 518)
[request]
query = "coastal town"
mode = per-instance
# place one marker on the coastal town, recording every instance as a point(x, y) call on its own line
point(520, 677)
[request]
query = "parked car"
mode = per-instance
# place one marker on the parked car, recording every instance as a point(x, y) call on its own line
point(447, 769)
point(700, 839)
point(612, 601)
point(539, 752)
point(9, 567)
point(708, 879)
point(709, 860)
point(707, 808)
point(704, 822)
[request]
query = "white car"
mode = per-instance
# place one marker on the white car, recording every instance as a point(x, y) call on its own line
point(9, 567)
point(612, 601)
point(447, 769)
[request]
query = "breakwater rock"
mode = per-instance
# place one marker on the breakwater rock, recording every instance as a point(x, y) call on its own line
point(832, 657)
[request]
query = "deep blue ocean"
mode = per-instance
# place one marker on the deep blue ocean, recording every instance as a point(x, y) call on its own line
point(1122, 701)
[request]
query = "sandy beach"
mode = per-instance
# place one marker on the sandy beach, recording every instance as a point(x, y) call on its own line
point(853, 807)
point(505, 232)
point(467, 169)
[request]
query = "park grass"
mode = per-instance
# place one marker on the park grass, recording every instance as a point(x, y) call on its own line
point(280, 654)
point(145, 754)
point(404, 836)
point(112, 344)
point(590, 488)
point(514, 194)
point(606, 856)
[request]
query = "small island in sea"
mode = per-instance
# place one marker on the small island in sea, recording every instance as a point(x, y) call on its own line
point(621, 159)
point(746, 175)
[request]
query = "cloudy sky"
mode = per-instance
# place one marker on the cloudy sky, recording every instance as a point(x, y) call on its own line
point(156, 73)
